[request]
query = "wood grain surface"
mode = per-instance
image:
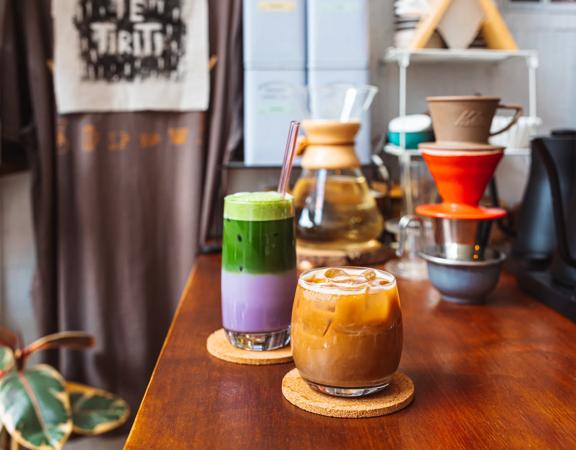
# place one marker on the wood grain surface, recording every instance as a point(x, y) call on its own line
point(500, 375)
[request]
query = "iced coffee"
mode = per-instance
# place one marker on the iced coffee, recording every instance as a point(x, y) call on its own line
point(347, 330)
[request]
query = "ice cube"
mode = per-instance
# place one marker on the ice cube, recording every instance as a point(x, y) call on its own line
point(334, 272)
point(357, 280)
point(348, 279)
point(382, 309)
point(314, 278)
point(369, 274)
point(329, 306)
point(317, 317)
point(349, 313)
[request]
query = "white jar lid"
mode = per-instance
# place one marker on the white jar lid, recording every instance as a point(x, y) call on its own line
point(410, 124)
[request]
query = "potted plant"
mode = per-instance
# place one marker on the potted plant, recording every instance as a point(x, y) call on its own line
point(38, 408)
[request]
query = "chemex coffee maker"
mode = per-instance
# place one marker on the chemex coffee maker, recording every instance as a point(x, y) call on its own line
point(544, 249)
point(335, 210)
point(461, 263)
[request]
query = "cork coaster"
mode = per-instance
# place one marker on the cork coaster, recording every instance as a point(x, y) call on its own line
point(395, 397)
point(217, 345)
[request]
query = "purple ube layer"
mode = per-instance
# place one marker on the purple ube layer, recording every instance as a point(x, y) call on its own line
point(254, 303)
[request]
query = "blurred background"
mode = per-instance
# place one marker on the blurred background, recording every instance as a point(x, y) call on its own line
point(102, 212)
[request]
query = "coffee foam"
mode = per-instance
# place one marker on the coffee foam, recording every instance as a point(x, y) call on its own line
point(316, 281)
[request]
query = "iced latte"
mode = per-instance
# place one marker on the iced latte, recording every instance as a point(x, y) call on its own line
point(347, 330)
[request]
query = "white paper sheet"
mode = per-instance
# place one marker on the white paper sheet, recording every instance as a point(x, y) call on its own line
point(131, 55)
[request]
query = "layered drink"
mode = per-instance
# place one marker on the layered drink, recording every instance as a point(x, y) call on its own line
point(347, 330)
point(258, 269)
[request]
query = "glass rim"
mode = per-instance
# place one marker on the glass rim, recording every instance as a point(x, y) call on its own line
point(237, 197)
point(263, 206)
point(390, 278)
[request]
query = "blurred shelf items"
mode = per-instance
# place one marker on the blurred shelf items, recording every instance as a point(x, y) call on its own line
point(449, 23)
point(515, 140)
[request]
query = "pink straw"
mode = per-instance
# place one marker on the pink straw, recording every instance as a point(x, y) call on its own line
point(289, 153)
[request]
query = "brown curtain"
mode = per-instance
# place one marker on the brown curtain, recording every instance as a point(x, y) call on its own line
point(14, 116)
point(224, 130)
point(119, 202)
point(36, 27)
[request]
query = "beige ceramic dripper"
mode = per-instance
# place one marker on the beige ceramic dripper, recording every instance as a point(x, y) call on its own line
point(329, 144)
point(467, 119)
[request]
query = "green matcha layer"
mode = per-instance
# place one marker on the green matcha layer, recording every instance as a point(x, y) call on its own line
point(259, 206)
point(258, 247)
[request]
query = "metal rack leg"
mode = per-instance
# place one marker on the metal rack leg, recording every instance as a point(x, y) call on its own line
point(405, 175)
point(532, 66)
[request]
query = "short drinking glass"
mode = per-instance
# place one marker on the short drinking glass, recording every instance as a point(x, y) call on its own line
point(347, 330)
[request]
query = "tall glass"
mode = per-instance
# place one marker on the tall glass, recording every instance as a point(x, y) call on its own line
point(258, 269)
point(347, 330)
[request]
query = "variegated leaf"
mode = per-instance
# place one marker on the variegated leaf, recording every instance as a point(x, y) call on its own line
point(35, 408)
point(69, 339)
point(6, 359)
point(95, 411)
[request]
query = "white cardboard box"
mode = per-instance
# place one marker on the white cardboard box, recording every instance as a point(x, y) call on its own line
point(272, 98)
point(338, 34)
point(274, 34)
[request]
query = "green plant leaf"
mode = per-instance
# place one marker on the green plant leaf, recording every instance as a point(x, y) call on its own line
point(6, 359)
point(69, 339)
point(95, 411)
point(35, 408)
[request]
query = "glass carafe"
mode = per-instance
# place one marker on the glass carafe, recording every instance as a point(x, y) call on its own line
point(334, 206)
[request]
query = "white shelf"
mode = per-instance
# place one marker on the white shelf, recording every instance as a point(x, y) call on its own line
point(403, 58)
point(395, 150)
point(398, 151)
point(433, 55)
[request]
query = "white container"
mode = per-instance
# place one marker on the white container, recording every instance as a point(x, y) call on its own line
point(358, 77)
point(518, 135)
point(272, 98)
point(274, 34)
point(338, 34)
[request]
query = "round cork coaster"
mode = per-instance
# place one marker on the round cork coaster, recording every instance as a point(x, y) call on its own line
point(395, 397)
point(217, 345)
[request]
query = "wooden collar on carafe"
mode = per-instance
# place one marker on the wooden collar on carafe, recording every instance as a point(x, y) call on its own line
point(329, 144)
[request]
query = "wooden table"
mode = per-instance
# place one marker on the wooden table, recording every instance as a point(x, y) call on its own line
point(502, 375)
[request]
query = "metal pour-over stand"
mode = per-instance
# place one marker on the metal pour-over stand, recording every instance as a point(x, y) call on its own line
point(404, 58)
